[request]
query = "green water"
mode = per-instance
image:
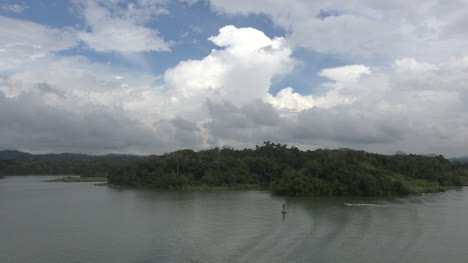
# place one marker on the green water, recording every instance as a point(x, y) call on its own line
point(80, 222)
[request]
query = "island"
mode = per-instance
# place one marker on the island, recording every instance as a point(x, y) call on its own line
point(290, 171)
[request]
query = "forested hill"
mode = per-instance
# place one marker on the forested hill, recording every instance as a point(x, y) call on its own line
point(290, 171)
point(14, 162)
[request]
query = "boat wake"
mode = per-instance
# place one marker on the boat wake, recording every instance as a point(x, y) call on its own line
point(364, 204)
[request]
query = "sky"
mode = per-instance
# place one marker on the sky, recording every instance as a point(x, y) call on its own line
point(154, 76)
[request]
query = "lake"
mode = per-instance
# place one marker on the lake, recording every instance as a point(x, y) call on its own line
point(45, 222)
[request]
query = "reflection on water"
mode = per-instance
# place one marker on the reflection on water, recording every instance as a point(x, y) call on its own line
point(59, 222)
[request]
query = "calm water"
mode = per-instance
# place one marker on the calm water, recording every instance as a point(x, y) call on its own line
point(80, 222)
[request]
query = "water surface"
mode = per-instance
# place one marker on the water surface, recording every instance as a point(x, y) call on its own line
point(78, 222)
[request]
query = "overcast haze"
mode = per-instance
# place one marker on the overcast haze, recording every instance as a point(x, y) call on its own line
point(152, 76)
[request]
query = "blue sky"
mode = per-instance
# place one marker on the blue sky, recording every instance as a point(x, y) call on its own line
point(189, 26)
point(151, 76)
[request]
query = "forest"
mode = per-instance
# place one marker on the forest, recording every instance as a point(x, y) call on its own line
point(289, 171)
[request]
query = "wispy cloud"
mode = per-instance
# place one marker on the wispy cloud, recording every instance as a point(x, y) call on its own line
point(13, 8)
point(111, 27)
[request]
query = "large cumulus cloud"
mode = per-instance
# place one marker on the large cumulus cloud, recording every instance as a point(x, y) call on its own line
point(241, 71)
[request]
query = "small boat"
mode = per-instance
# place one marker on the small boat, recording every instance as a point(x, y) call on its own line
point(284, 209)
point(351, 204)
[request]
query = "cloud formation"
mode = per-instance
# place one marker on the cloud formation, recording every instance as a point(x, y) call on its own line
point(239, 72)
point(413, 103)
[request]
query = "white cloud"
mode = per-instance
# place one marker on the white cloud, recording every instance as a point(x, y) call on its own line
point(112, 28)
point(341, 91)
point(24, 42)
point(18, 33)
point(346, 73)
point(243, 40)
point(287, 99)
point(411, 65)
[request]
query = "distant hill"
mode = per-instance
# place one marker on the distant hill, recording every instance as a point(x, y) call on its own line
point(18, 155)
point(14, 162)
point(463, 159)
point(14, 155)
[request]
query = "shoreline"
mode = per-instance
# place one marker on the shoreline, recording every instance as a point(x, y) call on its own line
point(197, 188)
point(102, 181)
point(78, 180)
point(206, 188)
